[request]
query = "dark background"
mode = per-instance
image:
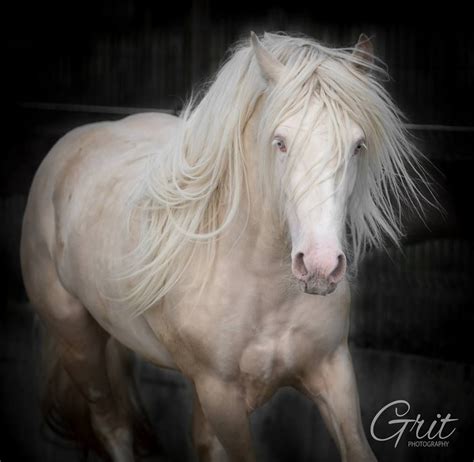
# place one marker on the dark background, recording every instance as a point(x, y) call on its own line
point(70, 63)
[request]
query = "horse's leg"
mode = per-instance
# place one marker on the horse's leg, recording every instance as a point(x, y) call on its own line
point(81, 348)
point(205, 440)
point(127, 397)
point(333, 388)
point(225, 410)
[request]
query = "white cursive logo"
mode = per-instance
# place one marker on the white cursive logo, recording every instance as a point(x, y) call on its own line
point(438, 429)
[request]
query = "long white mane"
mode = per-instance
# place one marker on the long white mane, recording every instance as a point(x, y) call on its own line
point(194, 187)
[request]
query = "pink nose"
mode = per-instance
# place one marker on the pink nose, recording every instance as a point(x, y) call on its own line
point(319, 274)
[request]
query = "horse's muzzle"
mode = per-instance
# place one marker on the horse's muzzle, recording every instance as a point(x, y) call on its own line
point(318, 276)
point(317, 286)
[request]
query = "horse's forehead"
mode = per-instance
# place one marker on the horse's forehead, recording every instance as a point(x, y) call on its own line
point(305, 120)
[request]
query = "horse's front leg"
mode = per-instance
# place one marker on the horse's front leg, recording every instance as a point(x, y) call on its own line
point(205, 441)
point(332, 386)
point(220, 411)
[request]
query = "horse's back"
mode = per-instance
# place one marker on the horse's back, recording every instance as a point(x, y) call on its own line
point(80, 188)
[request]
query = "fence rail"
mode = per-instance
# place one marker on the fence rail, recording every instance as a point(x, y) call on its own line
point(125, 110)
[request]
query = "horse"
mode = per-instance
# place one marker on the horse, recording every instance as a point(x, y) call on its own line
point(221, 243)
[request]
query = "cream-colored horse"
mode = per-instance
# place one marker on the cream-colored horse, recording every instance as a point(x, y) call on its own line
point(217, 243)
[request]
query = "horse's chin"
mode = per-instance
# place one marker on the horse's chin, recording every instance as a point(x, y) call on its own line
point(317, 286)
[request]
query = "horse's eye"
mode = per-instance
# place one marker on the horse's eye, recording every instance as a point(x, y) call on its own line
point(280, 144)
point(359, 148)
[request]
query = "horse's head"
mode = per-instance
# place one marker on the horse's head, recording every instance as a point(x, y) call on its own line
point(317, 190)
point(315, 164)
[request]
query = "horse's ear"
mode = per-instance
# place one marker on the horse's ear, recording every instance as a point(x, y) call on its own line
point(270, 68)
point(364, 52)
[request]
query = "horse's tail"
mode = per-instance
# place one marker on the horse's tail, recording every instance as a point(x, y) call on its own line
point(66, 411)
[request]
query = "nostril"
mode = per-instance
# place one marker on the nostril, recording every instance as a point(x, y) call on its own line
point(338, 272)
point(298, 264)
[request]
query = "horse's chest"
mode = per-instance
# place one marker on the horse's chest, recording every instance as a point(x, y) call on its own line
point(268, 363)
